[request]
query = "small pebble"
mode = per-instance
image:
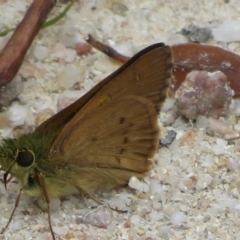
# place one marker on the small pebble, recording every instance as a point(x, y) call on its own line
point(40, 52)
point(11, 91)
point(100, 217)
point(219, 127)
point(82, 48)
point(228, 31)
point(67, 97)
point(60, 230)
point(197, 34)
point(20, 116)
point(201, 122)
point(138, 185)
point(169, 138)
point(221, 142)
point(178, 218)
point(204, 93)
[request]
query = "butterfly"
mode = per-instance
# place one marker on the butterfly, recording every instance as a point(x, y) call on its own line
point(101, 140)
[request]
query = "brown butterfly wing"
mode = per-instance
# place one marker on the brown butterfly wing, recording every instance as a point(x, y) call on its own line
point(151, 66)
point(147, 74)
point(111, 143)
point(122, 134)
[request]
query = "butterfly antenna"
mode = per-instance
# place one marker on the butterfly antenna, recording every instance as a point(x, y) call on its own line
point(5, 175)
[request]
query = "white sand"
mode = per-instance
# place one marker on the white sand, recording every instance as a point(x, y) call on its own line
point(193, 190)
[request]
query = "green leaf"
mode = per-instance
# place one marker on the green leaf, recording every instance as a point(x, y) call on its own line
point(5, 32)
point(58, 17)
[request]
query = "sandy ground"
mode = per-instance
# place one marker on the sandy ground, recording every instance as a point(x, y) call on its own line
point(193, 190)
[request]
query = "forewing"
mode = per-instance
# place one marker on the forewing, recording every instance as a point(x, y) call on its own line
point(122, 134)
point(147, 74)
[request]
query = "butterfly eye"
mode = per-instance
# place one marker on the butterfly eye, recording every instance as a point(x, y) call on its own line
point(25, 158)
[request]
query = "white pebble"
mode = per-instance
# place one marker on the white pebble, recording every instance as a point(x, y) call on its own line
point(55, 204)
point(173, 38)
point(16, 226)
point(237, 127)
point(202, 122)
point(40, 52)
point(121, 202)
point(205, 145)
point(237, 207)
point(66, 35)
point(100, 217)
point(104, 65)
point(112, 227)
point(178, 218)
point(155, 187)
point(88, 84)
point(20, 6)
point(69, 76)
point(6, 132)
point(219, 127)
point(221, 142)
point(233, 164)
point(125, 49)
point(135, 218)
point(59, 50)
point(67, 97)
point(67, 204)
point(168, 104)
point(156, 216)
point(11, 91)
point(229, 31)
point(20, 116)
point(217, 149)
point(136, 184)
point(204, 180)
point(184, 208)
point(71, 54)
point(60, 230)
point(164, 229)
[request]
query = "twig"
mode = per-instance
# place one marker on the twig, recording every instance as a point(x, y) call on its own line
point(13, 54)
point(106, 49)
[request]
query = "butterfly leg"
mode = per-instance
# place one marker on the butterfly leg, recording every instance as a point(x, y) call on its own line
point(97, 201)
point(15, 207)
point(43, 185)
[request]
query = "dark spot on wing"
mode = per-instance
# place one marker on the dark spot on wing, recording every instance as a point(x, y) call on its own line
point(94, 139)
point(119, 160)
point(125, 132)
point(122, 120)
point(125, 140)
point(122, 150)
point(131, 124)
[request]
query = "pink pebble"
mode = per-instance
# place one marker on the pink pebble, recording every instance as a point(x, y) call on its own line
point(204, 93)
point(82, 48)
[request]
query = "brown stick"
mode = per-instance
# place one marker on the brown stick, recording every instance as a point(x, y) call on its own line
point(13, 54)
point(106, 49)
